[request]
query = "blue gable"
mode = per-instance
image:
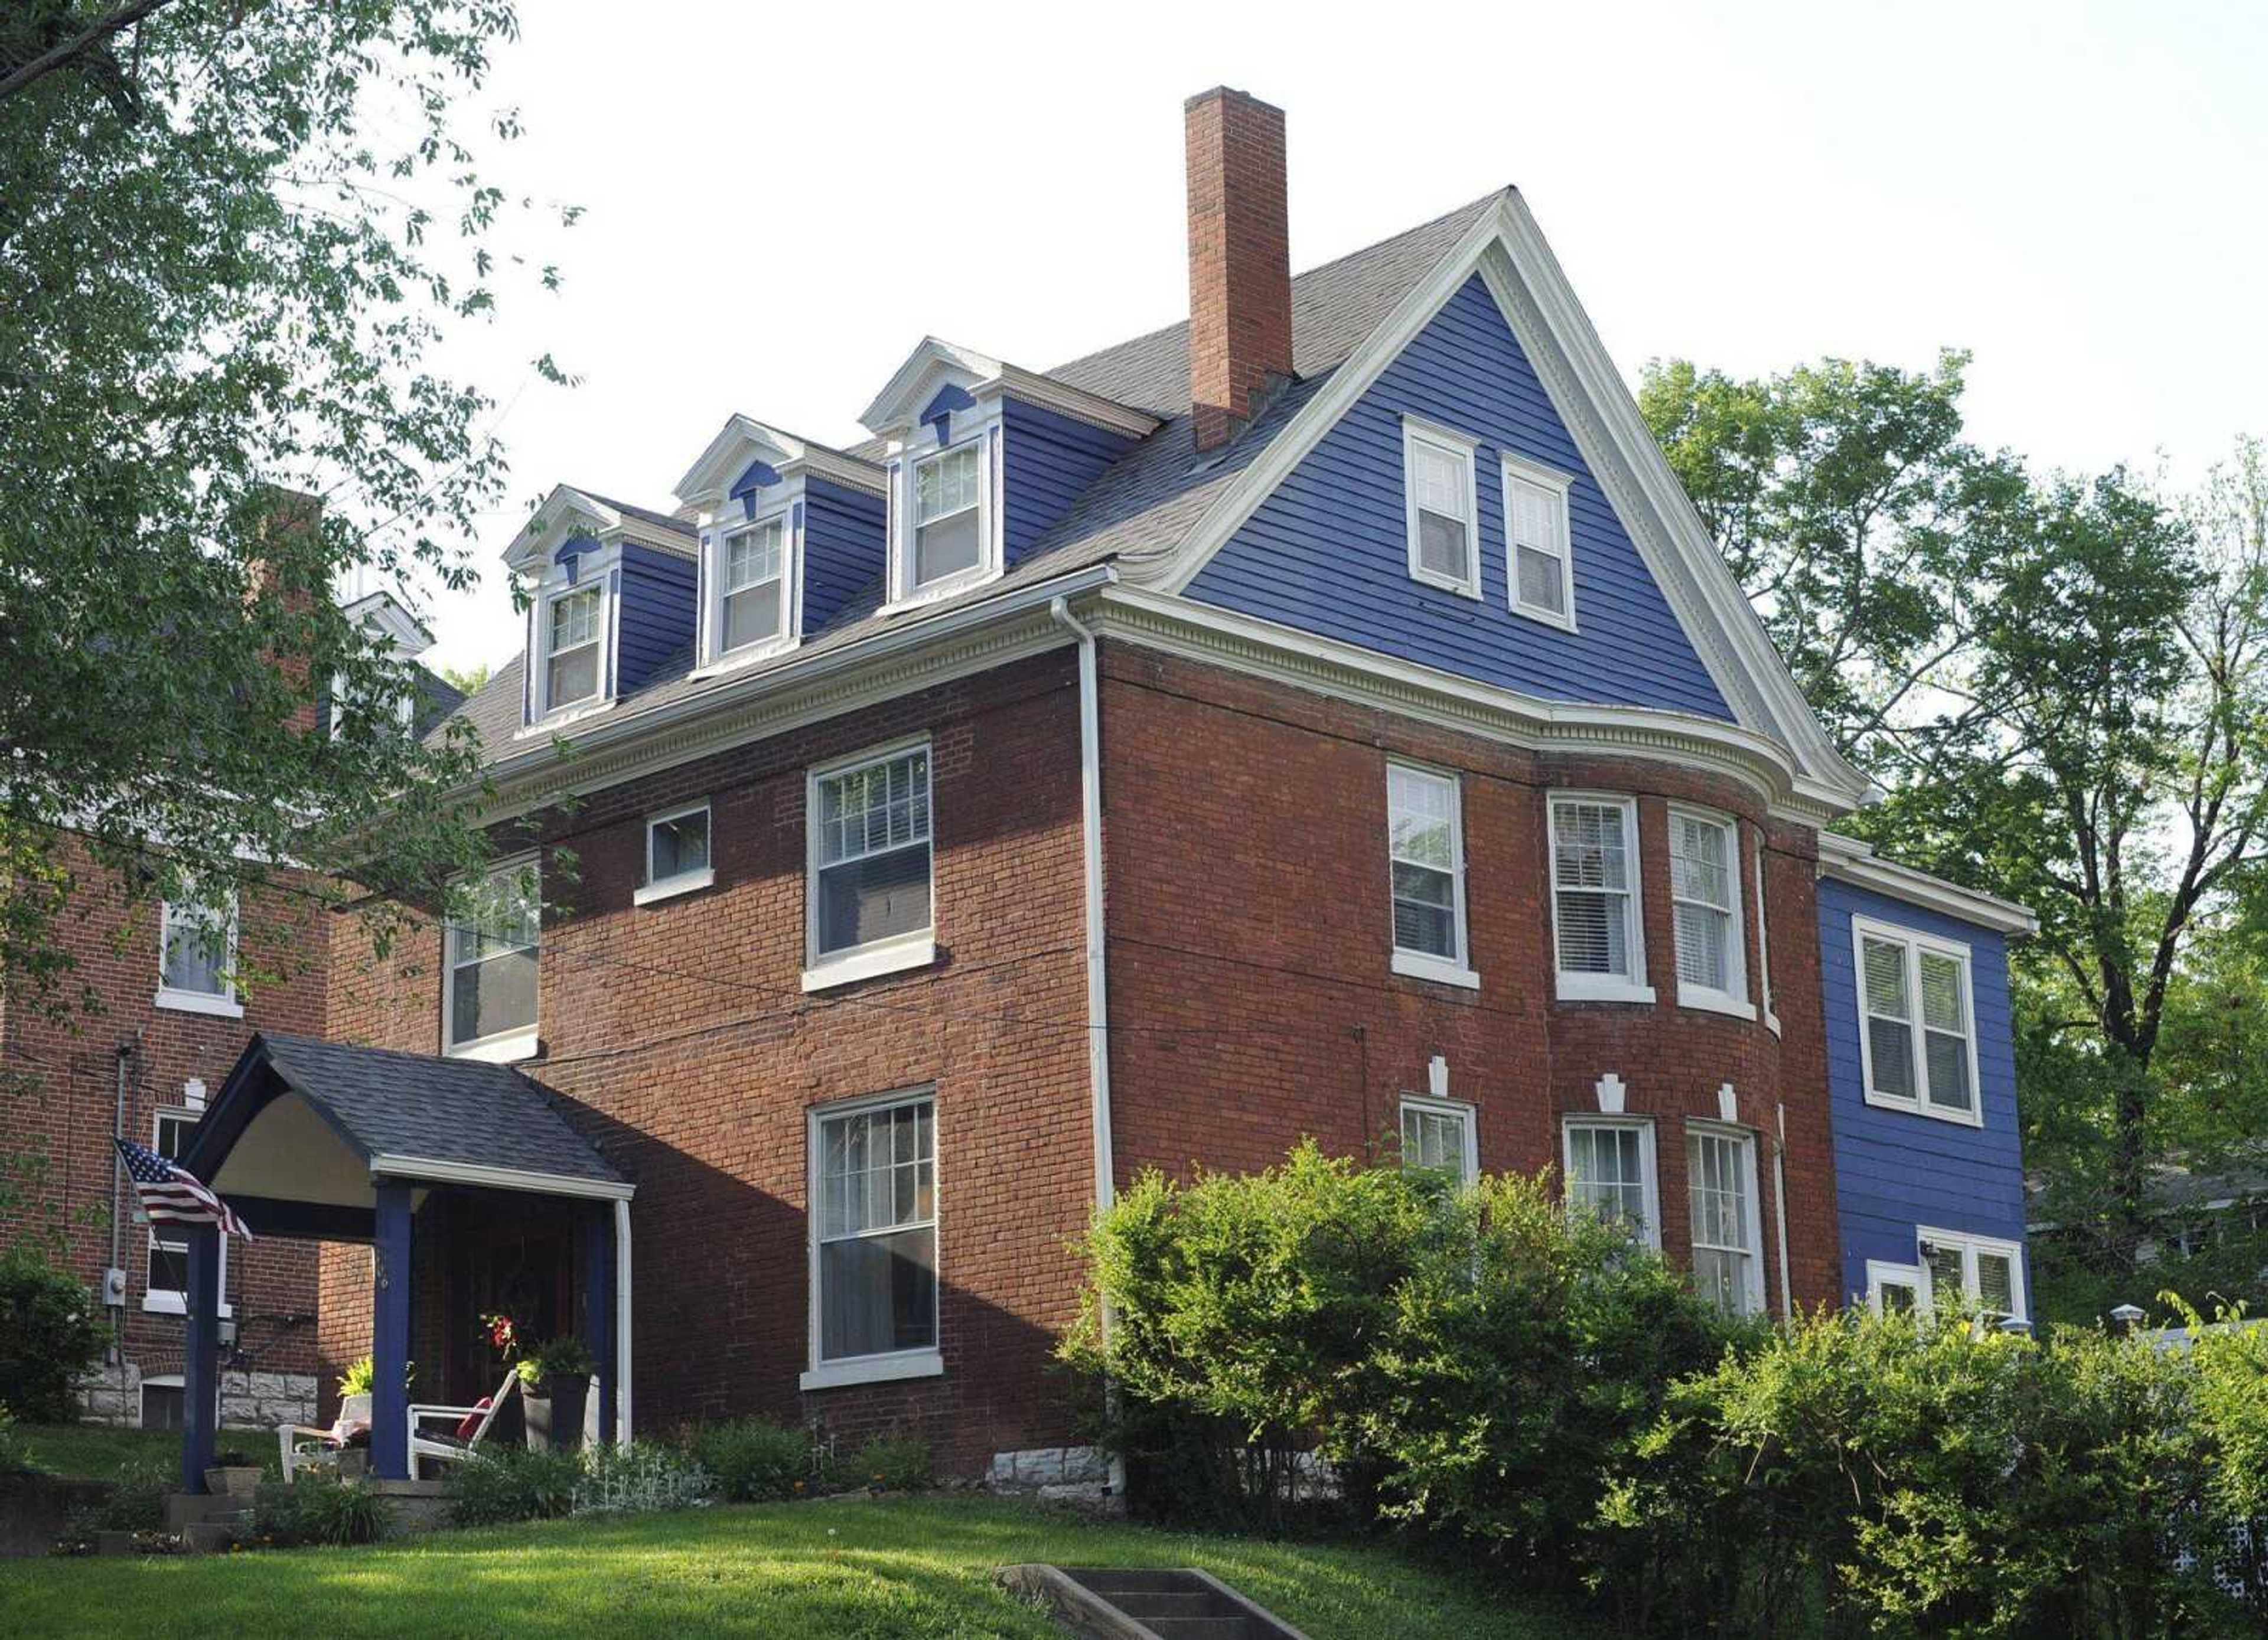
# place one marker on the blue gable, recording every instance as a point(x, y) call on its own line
point(1048, 460)
point(1894, 1170)
point(1327, 553)
point(845, 548)
point(654, 615)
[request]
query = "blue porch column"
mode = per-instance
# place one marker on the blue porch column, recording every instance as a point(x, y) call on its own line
point(594, 1274)
point(201, 1372)
point(389, 1329)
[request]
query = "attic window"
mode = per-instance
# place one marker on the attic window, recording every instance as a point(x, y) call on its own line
point(1541, 570)
point(1443, 507)
point(755, 585)
point(571, 648)
point(948, 537)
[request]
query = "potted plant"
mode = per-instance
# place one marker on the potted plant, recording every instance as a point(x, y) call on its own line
point(555, 1388)
point(233, 1473)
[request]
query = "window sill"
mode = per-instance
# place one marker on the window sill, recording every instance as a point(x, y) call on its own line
point(1447, 583)
point(848, 967)
point(1715, 1001)
point(670, 887)
point(499, 1050)
point(750, 655)
point(162, 1302)
point(1584, 988)
point(200, 1002)
point(1418, 964)
point(874, 1370)
point(1545, 617)
point(1934, 1112)
point(552, 722)
point(1772, 1022)
point(944, 586)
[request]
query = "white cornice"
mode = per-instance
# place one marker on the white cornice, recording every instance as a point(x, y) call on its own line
point(705, 480)
point(1323, 666)
point(1848, 860)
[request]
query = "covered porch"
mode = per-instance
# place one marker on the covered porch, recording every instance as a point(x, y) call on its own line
point(323, 1141)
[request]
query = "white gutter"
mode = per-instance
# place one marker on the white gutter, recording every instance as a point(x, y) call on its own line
point(1848, 860)
point(415, 1168)
point(1098, 994)
point(1779, 1210)
point(622, 1322)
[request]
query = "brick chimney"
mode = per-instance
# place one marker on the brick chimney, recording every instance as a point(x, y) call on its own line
point(1239, 261)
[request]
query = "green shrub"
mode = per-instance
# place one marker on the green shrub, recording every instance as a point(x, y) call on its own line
point(893, 1463)
point(15, 1457)
point(134, 1503)
point(315, 1511)
point(276, 1517)
point(563, 1357)
point(512, 1483)
point(640, 1477)
point(754, 1461)
point(51, 1332)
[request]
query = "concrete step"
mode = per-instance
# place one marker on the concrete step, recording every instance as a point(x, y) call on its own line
point(1198, 1628)
point(184, 1510)
point(1146, 1603)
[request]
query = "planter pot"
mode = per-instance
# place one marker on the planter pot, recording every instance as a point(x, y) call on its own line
point(234, 1480)
point(555, 1416)
point(535, 1417)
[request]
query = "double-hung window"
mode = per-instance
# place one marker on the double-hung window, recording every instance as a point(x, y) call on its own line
point(1594, 899)
point(1610, 1174)
point(1917, 1036)
point(571, 647)
point(488, 974)
point(949, 520)
point(1720, 1193)
point(1540, 563)
point(196, 955)
point(755, 586)
point(166, 1292)
point(1704, 896)
point(874, 1244)
point(676, 853)
point(1976, 1271)
point(870, 887)
point(1426, 854)
point(1443, 507)
point(1439, 1133)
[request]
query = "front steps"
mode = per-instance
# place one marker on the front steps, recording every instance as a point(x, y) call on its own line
point(1145, 1603)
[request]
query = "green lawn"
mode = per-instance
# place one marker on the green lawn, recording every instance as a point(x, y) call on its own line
point(94, 1451)
point(882, 1569)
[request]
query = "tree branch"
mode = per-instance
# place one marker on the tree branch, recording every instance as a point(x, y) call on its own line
point(85, 40)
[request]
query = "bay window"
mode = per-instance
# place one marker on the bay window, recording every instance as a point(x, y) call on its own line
point(1720, 1194)
point(1611, 1172)
point(1704, 894)
point(1596, 928)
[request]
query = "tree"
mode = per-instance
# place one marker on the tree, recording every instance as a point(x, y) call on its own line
point(232, 241)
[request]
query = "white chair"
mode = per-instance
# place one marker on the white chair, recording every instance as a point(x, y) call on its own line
point(303, 1444)
point(450, 1447)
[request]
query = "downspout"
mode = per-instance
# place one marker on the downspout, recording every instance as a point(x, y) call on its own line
point(115, 1270)
point(1779, 1209)
point(621, 1322)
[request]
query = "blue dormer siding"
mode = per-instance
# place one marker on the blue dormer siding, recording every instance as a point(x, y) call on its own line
point(1049, 460)
point(653, 615)
point(1327, 552)
point(1894, 1170)
point(845, 547)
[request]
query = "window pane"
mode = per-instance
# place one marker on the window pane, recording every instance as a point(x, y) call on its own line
point(169, 1267)
point(574, 619)
point(1698, 868)
point(1424, 915)
point(1947, 1285)
point(1723, 1216)
point(494, 994)
point(172, 1135)
point(1886, 978)
point(196, 954)
point(877, 1294)
point(1420, 817)
point(751, 616)
point(945, 485)
point(1897, 1297)
point(1432, 1138)
point(1889, 1046)
point(1996, 1282)
point(1941, 1007)
point(945, 548)
point(573, 676)
point(873, 898)
point(1704, 936)
point(1440, 476)
point(1605, 1173)
point(1948, 1069)
point(678, 846)
point(1536, 514)
point(1593, 934)
point(878, 807)
point(1442, 547)
point(1541, 584)
point(753, 556)
point(164, 1406)
point(1588, 849)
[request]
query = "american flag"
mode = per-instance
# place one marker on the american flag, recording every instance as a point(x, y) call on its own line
point(173, 1194)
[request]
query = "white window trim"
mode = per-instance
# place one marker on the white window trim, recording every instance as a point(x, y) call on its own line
point(1763, 940)
point(1916, 942)
point(1970, 1245)
point(1519, 468)
point(904, 594)
point(1599, 987)
point(595, 575)
point(654, 889)
point(715, 551)
point(1469, 1165)
point(1416, 430)
point(501, 1048)
point(1424, 964)
point(173, 1300)
point(225, 1005)
point(1649, 1170)
point(1746, 1138)
point(1882, 1273)
point(898, 951)
point(896, 1363)
point(1734, 997)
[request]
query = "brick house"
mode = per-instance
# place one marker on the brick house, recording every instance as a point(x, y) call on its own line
point(1325, 716)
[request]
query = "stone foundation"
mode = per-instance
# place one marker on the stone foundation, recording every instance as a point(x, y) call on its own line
point(248, 1399)
point(1074, 1474)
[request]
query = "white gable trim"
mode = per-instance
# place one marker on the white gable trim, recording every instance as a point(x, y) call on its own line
point(743, 438)
point(1507, 250)
point(892, 414)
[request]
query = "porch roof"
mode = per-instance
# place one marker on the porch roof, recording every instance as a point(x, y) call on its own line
point(308, 1121)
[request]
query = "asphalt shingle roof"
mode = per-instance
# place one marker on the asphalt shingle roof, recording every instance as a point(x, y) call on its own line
point(437, 1109)
point(1155, 494)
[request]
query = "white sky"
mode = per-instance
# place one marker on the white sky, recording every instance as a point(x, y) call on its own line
point(782, 201)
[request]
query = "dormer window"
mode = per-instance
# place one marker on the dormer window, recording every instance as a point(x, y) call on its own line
point(755, 585)
point(948, 537)
point(571, 646)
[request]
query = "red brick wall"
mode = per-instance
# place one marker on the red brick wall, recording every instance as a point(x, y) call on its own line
point(61, 1100)
point(1251, 999)
point(1240, 258)
point(681, 1031)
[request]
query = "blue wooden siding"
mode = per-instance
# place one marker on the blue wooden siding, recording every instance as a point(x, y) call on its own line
point(845, 545)
point(1049, 461)
point(654, 616)
point(1327, 552)
point(1896, 1170)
